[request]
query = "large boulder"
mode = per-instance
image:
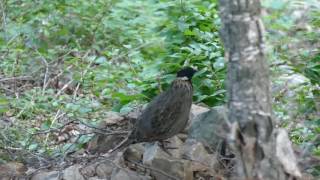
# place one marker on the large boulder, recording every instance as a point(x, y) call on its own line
point(210, 127)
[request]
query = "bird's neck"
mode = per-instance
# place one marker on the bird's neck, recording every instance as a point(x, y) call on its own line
point(182, 82)
point(183, 78)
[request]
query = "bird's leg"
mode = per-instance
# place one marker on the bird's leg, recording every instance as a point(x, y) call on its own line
point(165, 144)
point(124, 143)
point(162, 146)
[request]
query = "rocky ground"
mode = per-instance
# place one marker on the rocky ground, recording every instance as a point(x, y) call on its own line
point(196, 153)
point(193, 154)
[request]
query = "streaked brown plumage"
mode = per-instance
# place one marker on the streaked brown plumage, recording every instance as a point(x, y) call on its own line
point(167, 114)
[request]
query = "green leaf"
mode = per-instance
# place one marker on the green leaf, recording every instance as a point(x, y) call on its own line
point(33, 147)
point(45, 125)
point(101, 60)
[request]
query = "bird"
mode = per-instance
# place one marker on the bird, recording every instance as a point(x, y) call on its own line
point(166, 115)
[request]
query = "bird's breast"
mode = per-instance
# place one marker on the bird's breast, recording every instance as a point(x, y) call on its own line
point(182, 84)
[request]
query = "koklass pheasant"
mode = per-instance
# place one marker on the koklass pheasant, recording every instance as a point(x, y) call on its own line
point(167, 114)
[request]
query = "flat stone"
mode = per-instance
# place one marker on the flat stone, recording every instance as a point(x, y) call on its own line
point(164, 167)
point(72, 173)
point(104, 170)
point(174, 147)
point(195, 151)
point(196, 110)
point(44, 175)
point(113, 118)
point(134, 152)
point(124, 174)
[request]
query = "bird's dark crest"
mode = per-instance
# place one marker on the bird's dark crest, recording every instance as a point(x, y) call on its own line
point(186, 72)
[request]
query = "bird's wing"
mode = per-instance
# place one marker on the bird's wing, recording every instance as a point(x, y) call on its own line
point(167, 114)
point(160, 115)
point(154, 110)
point(176, 109)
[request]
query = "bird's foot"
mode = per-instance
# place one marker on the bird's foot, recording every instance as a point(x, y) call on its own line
point(165, 146)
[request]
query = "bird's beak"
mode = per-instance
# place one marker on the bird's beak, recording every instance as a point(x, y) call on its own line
point(195, 68)
point(196, 71)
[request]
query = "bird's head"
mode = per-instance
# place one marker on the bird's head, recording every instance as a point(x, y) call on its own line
point(186, 72)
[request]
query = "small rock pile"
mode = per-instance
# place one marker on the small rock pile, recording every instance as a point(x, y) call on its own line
point(192, 154)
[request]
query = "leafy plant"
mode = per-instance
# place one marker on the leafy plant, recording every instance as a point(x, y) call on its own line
point(82, 58)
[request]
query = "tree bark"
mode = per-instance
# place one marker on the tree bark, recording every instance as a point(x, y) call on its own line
point(252, 138)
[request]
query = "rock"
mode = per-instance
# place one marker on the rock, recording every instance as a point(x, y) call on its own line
point(210, 127)
point(285, 153)
point(124, 174)
point(104, 170)
point(103, 143)
point(195, 151)
point(72, 173)
point(293, 80)
point(94, 178)
point(194, 112)
point(12, 169)
point(113, 118)
point(89, 170)
point(174, 146)
point(153, 151)
point(118, 159)
point(164, 167)
point(43, 175)
point(134, 153)
point(134, 114)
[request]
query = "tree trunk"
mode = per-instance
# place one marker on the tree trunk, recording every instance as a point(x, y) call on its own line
point(252, 138)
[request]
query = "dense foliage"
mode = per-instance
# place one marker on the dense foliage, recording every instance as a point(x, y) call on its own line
point(82, 58)
point(293, 32)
